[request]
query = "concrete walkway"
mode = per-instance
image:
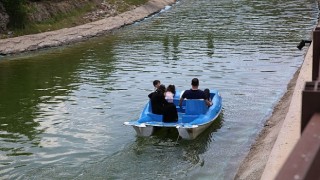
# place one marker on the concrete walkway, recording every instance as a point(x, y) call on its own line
point(290, 131)
point(80, 33)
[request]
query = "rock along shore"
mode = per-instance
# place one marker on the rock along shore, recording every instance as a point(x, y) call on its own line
point(79, 33)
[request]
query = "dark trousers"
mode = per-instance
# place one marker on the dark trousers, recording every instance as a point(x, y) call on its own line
point(170, 113)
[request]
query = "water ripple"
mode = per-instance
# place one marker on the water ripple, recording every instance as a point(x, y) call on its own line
point(61, 112)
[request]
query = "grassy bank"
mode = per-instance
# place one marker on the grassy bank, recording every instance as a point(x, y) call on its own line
point(92, 10)
point(58, 21)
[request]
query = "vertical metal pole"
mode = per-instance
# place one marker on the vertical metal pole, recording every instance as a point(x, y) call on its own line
point(316, 50)
point(310, 102)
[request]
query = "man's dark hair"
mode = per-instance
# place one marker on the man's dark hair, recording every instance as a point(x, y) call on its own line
point(195, 82)
point(155, 82)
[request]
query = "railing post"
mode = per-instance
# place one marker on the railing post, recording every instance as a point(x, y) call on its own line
point(310, 102)
point(304, 161)
point(311, 92)
point(316, 50)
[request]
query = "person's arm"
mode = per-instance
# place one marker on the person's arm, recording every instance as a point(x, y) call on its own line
point(181, 99)
point(163, 99)
point(209, 103)
point(180, 102)
point(150, 95)
point(206, 99)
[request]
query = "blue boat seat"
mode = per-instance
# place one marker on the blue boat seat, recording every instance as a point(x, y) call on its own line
point(176, 102)
point(155, 117)
point(188, 118)
point(180, 109)
point(196, 107)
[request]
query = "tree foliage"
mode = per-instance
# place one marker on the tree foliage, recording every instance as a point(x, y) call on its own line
point(16, 11)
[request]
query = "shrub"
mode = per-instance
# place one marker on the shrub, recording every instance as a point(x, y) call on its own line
point(17, 13)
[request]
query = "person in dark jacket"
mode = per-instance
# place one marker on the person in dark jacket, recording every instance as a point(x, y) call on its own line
point(158, 100)
point(156, 85)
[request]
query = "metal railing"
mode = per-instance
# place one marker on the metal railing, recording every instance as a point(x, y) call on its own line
point(304, 160)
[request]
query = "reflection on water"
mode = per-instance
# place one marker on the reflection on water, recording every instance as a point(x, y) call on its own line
point(171, 46)
point(23, 88)
point(38, 96)
point(61, 111)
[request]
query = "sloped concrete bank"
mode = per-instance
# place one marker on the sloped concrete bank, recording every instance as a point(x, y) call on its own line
point(281, 132)
point(79, 33)
point(290, 130)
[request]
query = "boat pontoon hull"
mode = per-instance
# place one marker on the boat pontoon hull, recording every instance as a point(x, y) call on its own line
point(194, 117)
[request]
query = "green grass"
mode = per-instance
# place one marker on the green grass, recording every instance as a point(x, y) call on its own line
point(59, 21)
point(72, 18)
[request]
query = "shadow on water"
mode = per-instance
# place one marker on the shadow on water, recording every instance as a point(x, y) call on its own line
point(173, 134)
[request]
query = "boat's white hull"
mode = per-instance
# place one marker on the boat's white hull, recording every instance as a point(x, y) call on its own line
point(192, 133)
point(144, 131)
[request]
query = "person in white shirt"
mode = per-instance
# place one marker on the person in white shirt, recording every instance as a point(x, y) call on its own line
point(170, 113)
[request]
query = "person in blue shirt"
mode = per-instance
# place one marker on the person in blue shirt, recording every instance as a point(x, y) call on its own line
point(194, 93)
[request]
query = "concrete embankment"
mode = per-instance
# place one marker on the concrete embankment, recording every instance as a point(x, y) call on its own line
point(281, 132)
point(290, 132)
point(80, 33)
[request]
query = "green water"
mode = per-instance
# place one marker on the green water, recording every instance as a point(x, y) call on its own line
point(62, 110)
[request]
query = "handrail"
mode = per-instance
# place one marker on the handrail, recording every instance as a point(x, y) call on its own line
point(304, 160)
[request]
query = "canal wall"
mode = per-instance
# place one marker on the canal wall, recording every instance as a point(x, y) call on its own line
point(289, 133)
point(79, 33)
point(281, 132)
